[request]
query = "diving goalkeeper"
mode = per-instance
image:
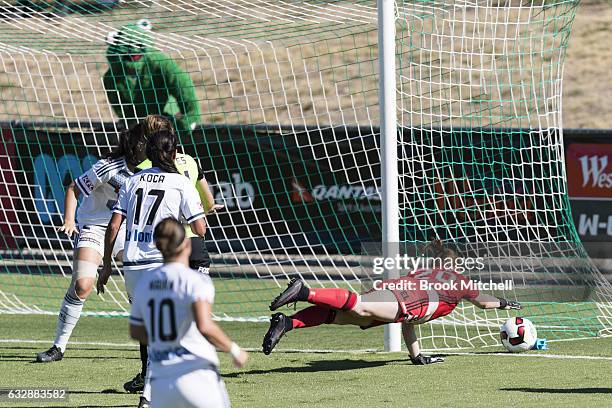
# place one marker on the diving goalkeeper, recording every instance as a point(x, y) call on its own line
point(399, 303)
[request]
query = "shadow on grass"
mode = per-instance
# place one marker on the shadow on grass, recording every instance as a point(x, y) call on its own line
point(76, 347)
point(106, 406)
point(32, 359)
point(106, 391)
point(475, 352)
point(320, 366)
point(588, 390)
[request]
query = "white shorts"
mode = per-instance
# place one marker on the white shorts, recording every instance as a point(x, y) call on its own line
point(131, 278)
point(92, 236)
point(197, 389)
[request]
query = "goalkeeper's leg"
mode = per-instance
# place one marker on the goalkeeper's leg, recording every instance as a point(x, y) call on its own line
point(281, 324)
point(376, 304)
point(367, 314)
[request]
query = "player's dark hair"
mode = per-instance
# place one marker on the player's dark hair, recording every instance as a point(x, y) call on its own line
point(161, 150)
point(436, 249)
point(169, 237)
point(131, 143)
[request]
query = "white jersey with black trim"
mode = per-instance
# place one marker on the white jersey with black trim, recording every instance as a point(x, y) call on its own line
point(162, 302)
point(145, 200)
point(99, 186)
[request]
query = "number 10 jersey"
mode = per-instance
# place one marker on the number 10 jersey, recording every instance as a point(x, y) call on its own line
point(163, 303)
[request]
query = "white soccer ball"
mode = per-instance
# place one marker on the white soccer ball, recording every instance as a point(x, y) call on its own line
point(518, 334)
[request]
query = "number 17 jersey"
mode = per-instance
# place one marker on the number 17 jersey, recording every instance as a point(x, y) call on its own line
point(145, 200)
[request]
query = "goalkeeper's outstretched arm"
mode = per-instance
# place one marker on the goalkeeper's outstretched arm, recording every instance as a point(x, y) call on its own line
point(412, 344)
point(484, 301)
point(411, 340)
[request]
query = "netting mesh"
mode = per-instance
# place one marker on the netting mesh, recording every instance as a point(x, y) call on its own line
point(482, 158)
point(288, 95)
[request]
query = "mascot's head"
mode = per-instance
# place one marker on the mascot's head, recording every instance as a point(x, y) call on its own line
point(129, 45)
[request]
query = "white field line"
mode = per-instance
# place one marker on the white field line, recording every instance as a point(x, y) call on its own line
point(329, 351)
point(555, 356)
point(217, 318)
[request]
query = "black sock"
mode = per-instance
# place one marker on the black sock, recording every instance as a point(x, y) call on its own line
point(288, 324)
point(143, 359)
point(303, 294)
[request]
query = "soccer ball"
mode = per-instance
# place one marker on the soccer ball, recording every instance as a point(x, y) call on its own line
point(518, 334)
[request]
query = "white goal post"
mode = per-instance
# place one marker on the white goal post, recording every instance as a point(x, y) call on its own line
point(388, 148)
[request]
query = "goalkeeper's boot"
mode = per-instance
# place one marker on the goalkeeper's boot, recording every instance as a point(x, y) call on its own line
point(144, 403)
point(291, 294)
point(53, 354)
point(279, 325)
point(135, 385)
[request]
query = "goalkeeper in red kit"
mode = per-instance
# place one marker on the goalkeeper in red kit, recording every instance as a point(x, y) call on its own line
point(404, 301)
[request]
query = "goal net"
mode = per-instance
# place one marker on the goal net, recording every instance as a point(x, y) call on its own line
point(278, 101)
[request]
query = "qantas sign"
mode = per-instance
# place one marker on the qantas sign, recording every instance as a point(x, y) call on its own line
point(321, 192)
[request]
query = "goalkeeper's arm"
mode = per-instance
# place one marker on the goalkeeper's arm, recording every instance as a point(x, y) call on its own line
point(412, 344)
point(483, 301)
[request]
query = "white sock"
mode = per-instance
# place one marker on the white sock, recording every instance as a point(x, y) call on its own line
point(68, 317)
point(146, 392)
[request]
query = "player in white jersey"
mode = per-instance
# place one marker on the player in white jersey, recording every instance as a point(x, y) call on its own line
point(144, 200)
point(171, 311)
point(187, 165)
point(200, 259)
point(98, 186)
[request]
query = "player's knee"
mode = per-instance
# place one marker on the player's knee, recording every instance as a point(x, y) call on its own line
point(82, 288)
point(361, 310)
point(84, 275)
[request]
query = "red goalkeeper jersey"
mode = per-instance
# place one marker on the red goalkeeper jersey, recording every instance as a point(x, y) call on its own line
point(428, 294)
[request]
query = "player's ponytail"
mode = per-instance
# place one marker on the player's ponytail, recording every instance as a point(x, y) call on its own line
point(436, 249)
point(130, 146)
point(155, 123)
point(169, 238)
point(161, 150)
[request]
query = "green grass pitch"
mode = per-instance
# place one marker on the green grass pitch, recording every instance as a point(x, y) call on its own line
point(251, 297)
point(94, 373)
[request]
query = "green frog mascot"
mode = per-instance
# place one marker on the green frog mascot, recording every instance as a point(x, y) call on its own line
point(141, 80)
